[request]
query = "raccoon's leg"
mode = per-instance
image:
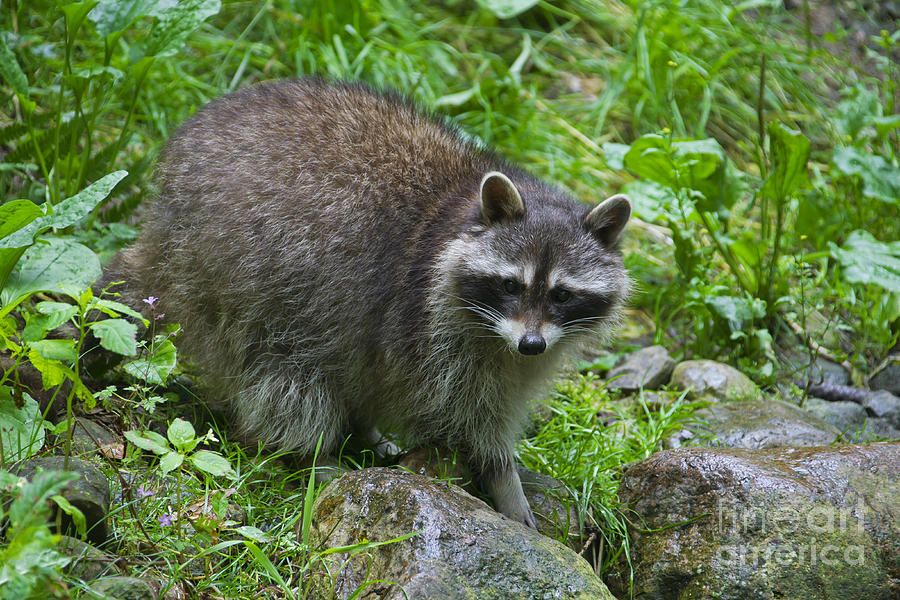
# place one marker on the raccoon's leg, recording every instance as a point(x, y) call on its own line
point(501, 481)
point(381, 445)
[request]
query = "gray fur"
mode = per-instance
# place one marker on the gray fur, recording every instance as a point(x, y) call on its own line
point(313, 240)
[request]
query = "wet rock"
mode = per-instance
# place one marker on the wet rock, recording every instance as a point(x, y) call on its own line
point(125, 588)
point(87, 435)
point(648, 369)
point(844, 416)
point(820, 370)
point(791, 523)
point(884, 405)
point(553, 506)
point(763, 424)
point(462, 548)
point(887, 379)
point(711, 380)
point(439, 463)
point(880, 429)
point(89, 493)
point(88, 562)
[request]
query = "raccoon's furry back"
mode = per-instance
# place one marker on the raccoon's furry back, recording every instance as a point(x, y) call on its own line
point(298, 238)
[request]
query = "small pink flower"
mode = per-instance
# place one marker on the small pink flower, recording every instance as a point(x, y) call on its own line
point(143, 492)
point(151, 301)
point(165, 520)
point(160, 316)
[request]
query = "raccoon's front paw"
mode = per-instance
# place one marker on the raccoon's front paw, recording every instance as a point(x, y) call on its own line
point(505, 488)
point(517, 509)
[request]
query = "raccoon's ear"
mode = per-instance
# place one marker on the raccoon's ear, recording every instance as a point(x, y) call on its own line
point(500, 200)
point(607, 220)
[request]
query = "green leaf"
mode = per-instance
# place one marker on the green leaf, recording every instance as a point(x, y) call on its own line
point(13, 216)
point(458, 98)
point(75, 14)
point(67, 212)
point(77, 516)
point(880, 179)
point(148, 440)
point(182, 435)
point(790, 153)
point(856, 110)
point(50, 316)
point(170, 461)
point(649, 158)
point(116, 335)
point(506, 9)
point(114, 16)
point(31, 508)
point(253, 533)
point(211, 462)
point(676, 164)
point(157, 368)
point(55, 349)
point(652, 201)
point(175, 23)
point(736, 311)
point(10, 70)
point(51, 267)
point(865, 260)
point(52, 371)
point(115, 309)
point(21, 429)
point(614, 155)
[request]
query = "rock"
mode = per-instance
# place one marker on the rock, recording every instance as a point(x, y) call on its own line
point(820, 370)
point(792, 523)
point(439, 463)
point(648, 369)
point(884, 405)
point(89, 494)
point(763, 424)
point(711, 380)
point(880, 429)
point(887, 379)
point(846, 417)
point(124, 588)
point(462, 548)
point(86, 434)
point(89, 562)
point(553, 506)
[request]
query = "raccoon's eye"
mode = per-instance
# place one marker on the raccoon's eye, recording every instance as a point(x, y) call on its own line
point(511, 286)
point(560, 295)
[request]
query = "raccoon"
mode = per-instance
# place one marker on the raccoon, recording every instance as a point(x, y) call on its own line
point(341, 261)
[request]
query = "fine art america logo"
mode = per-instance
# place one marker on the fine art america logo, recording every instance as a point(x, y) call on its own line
point(785, 535)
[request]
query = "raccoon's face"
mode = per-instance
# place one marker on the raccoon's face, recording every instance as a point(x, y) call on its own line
point(533, 275)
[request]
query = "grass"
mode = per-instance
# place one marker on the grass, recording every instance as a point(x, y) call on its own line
point(551, 89)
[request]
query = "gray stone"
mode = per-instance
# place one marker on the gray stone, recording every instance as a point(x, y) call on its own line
point(648, 369)
point(125, 588)
point(554, 508)
point(887, 379)
point(714, 381)
point(820, 370)
point(844, 416)
point(89, 493)
point(763, 424)
point(884, 405)
point(88, 562)
point(791, 523)
point(86, 435)
point(461, 549)
point(879, 429)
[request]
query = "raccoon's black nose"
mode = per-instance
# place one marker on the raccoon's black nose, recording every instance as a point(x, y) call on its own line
point(532, 344)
